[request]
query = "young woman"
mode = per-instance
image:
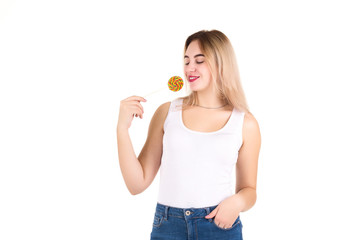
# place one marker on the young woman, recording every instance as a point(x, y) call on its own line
point(197, 140)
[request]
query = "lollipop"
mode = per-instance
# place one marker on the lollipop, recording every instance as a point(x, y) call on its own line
point(175, 83)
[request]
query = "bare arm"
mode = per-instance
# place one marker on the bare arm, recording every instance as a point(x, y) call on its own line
point(150, 155)
point(130, 166)
point(247, 163)
point(139, 172)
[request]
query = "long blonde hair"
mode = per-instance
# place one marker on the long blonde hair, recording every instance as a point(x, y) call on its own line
point(220, 57)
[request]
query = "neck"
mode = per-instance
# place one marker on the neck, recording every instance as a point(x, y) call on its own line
point(209, 100)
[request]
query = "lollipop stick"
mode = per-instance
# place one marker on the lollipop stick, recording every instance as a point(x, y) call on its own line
point(154, 92)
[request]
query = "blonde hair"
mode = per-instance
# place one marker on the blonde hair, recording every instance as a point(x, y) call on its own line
point(220, 57)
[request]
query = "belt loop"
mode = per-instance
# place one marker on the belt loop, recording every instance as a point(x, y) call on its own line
point(166, 212)
point(208, 212)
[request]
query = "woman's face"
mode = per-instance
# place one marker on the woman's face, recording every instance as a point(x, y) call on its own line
point(196, 69)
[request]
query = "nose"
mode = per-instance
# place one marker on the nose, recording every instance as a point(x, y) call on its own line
point(191, 67)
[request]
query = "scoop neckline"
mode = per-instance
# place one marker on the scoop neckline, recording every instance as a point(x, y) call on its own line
point(198, 132)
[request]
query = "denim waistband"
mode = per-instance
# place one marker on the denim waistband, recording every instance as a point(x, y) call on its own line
point(183, 212)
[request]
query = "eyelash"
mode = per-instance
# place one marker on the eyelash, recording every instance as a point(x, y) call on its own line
point(196, 62)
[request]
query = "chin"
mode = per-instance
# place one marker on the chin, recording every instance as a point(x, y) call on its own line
point(198, 88)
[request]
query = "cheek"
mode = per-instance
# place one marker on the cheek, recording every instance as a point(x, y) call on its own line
point(205, 71)
point(186, 68)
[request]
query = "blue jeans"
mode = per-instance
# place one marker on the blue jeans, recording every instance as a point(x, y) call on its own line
point(172, 223)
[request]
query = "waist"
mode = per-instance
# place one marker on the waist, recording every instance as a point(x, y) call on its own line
point(167, 210)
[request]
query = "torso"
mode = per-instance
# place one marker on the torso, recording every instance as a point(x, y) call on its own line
point(206, 120)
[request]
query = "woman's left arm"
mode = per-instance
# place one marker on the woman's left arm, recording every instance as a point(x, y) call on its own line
point(247, 164)
point(246, 175)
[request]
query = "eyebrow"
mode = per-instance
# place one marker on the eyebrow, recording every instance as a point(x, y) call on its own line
point(197, 55)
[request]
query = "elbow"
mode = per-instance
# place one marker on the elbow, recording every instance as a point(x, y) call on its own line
point(254, 198)
point(135, 191)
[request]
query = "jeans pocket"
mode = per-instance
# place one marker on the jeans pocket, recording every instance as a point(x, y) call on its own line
point(237, 221)
point(158, 218)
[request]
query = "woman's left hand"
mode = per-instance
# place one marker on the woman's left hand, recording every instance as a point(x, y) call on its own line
point(226, 212)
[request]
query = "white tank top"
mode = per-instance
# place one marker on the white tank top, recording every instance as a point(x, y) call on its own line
point(196, 167)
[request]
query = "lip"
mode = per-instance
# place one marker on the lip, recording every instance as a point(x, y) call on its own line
point(193, 79)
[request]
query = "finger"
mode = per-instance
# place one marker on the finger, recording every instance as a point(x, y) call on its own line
point(221, 225)
point(141, 107)
point(139, 113)
point(138, 106)
point(137, 98)
point(218, 224)
point(135, 109)
point(213, 213)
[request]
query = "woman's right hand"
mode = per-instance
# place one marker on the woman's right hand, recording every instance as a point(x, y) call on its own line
point(130, 107)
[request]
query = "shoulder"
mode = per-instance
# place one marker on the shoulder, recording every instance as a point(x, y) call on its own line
point(250, 119)
point(163, 108)
point(161, 114)
point(251, 128)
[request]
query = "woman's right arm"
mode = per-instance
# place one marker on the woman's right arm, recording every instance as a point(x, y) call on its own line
point(139, 173)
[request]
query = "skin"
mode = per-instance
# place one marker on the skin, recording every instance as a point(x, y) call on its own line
point(196, 66)
point(138, 177)
point(246, 167)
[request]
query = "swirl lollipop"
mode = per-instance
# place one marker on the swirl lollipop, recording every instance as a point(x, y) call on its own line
point(175, 83)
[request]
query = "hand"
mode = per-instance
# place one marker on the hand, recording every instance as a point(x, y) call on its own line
point(129, 108)
point(226, 212)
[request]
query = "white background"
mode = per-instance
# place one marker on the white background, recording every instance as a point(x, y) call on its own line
point(65, 66)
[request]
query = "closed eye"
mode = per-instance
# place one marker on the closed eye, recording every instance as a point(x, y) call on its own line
point(196, 62)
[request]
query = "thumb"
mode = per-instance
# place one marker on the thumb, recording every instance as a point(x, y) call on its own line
point(213, 213)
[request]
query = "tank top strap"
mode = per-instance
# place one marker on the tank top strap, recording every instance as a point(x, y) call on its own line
point(173, 113)
point(238, 119)
point(176, 104)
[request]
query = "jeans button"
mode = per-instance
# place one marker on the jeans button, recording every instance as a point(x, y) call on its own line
point(187, 213)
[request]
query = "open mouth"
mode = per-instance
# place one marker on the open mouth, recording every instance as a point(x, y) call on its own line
point(192, 79)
